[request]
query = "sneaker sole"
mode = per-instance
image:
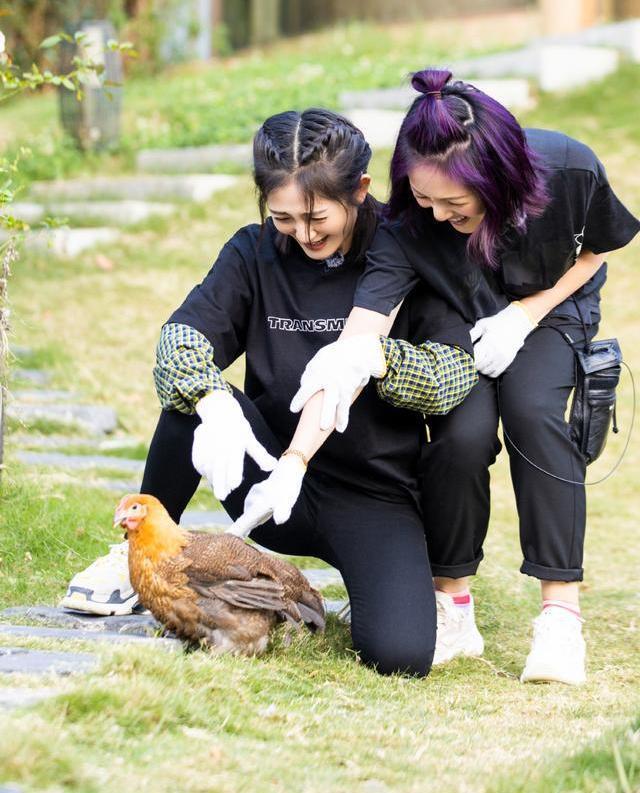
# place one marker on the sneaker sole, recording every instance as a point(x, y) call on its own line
point(79, 603)
point(474, 651)
point(546, 674)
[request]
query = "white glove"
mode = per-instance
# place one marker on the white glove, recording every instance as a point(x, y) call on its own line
point(501, 336)
point(274, 497)
point(221, 441)
point(340, 369)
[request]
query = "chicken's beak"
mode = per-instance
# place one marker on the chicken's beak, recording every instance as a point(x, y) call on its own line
point(119, 519)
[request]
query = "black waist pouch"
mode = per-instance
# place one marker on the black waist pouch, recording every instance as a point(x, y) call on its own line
point(598, 367)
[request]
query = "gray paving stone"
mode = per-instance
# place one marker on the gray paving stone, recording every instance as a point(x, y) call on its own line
point(334, 606)
point(623, 36)
point(66, 243)
point(189, 187)
point(24, 698)
point(555, 66)
point(192, 159)
point(80, 462)
point(108, 637)
point(96, 443)
point(32, 376)
point(120, 486)
point(118, 213)
point(21, 351)
point(40, 662)
point(95, 418)
point(514, 93)
point(199, 519)
point(564, 67)
point(43, 395)
point(380, 127)
point(51, 616)
point(321, 577)
point(28, 211)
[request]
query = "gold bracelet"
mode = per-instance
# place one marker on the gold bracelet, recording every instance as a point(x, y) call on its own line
point(296, 453)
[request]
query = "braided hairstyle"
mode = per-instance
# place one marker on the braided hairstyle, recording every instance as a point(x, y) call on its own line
point(474, 140)
point(325, 154)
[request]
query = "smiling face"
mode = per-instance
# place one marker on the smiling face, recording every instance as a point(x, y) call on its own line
point(450, 201)
point(320, 233)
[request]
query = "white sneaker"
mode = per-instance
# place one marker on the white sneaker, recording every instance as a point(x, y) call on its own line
point(104, 587)
point(558, 649)
point(457, 633)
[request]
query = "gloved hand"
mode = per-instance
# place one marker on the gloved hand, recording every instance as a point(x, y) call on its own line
point(500, 338)
point(340, 369)
point(274, 497)
point(221, 441)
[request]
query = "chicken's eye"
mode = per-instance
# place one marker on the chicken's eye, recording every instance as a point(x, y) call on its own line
point(135, 507)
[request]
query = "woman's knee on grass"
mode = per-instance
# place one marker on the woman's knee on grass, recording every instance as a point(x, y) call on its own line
point(393, 654)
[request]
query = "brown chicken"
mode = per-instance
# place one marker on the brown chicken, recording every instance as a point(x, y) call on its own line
point(212, 589)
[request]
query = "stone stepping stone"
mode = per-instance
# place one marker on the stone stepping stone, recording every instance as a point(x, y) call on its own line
point(32, 376)
point(56, 617)
point(322, 577)
point(80, 462)
point(95, 418)
point(200, 519)
point(95, 443)
point(18, 660)
point(193, 159)
point(190, 187)
point(23, 698)
point(44, 395)
point(556, 67)
point(35, 632)
point(623, 36)
point(119, 213)
point(335, 606)
point(21, 351)
point(380, 127)
point(120, 486)
point(66, 243)
point(514, 93)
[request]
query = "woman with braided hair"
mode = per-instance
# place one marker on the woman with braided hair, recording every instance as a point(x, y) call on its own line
point(278, 292)
point(511, 227)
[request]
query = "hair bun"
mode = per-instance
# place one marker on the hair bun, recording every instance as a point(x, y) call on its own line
point(430, 80)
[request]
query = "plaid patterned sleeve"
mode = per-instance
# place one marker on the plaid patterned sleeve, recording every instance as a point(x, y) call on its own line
point(430, 377)
point(185, 370)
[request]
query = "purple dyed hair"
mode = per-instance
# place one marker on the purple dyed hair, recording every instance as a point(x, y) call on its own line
point(473, 140)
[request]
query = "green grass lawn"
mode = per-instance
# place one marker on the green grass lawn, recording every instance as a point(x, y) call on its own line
point(199, 104)
point(309, 717)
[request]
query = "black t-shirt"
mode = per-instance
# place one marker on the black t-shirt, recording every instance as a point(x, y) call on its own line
point(583, 212)
point(280, 309)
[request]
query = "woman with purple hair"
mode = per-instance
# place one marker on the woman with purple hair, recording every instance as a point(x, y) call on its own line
point(512, 228)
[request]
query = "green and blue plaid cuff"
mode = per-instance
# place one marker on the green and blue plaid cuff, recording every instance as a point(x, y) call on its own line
point(185, 370)
point(431, 377)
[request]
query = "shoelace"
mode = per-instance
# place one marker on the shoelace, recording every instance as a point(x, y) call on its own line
point(116, 550)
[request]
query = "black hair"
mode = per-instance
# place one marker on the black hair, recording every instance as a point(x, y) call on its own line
point(325, 154)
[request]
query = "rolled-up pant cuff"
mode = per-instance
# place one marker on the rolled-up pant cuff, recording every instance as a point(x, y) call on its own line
point(456, 570)
point(551, 573)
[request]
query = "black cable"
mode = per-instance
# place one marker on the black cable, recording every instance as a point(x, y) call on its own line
point(571, 481)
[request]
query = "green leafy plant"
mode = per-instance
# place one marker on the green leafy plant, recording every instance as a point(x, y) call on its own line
point(14, 80)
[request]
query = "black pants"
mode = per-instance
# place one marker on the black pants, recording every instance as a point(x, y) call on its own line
point(378, 546)
point(533, 394)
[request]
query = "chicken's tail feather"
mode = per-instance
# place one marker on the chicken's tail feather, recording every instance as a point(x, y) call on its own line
point(313, 617)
